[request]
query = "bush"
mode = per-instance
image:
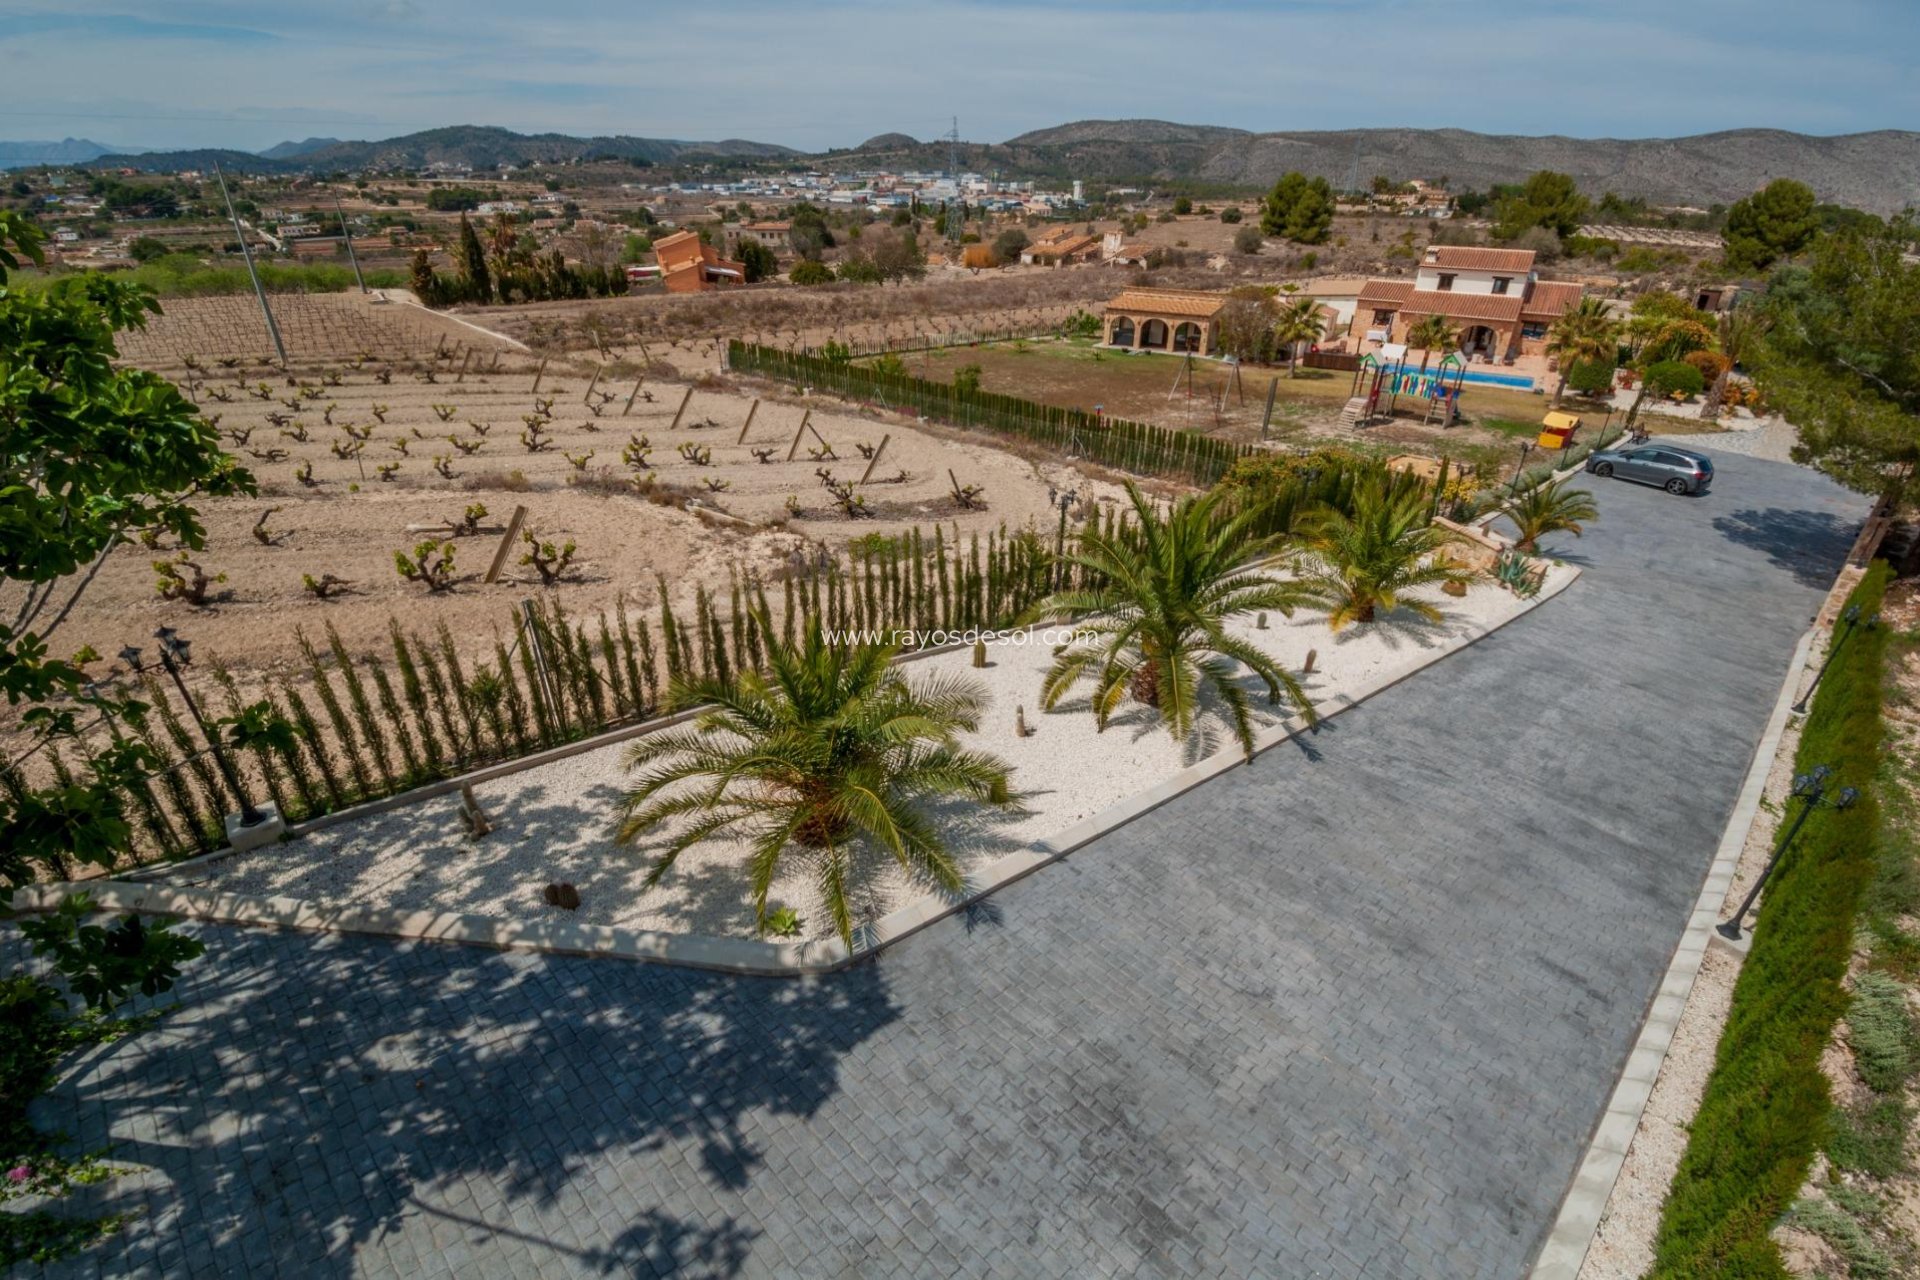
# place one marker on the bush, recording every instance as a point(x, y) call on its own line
point(1675, 377)
point(1230, 214)
point(1765, 1109)
point(1591, 377)
point(1248, 240)
point(807, 271)
point(1711, 364)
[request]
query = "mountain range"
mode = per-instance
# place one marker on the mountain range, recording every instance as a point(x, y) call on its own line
point(22, 155)
point(1879, 171)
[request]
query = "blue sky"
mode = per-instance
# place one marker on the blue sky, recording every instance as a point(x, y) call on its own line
point(169, 73)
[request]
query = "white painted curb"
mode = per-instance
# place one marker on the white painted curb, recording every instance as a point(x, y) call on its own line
point(1586, 1199)
point(697, 951)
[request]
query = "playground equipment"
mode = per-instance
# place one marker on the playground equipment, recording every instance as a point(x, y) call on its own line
point(1388, 376)
point(1556, 430)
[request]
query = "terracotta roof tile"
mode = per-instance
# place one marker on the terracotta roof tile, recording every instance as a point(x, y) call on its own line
point(1473, 258)
point(1169, 302)
point(1376, 293)
point(1552, 298)
point(1463, 306)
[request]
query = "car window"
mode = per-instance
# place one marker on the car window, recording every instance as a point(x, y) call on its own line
point(1677, 460)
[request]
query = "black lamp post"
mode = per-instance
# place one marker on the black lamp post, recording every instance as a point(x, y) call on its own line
point(1811, 787)
point(1526, 447)
point(176, 652)
point(1852, 618)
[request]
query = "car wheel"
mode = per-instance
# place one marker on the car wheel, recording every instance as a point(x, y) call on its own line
point(1676, 485)
point(1603, 468)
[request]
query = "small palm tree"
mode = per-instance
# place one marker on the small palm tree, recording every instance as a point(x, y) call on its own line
point(1431, 334)
point(1155, 625)
point(1588, 332)
point(1299, 322)
point(1740, 331)
point(830, 747)
point(1550, 508)
point(1356, 564)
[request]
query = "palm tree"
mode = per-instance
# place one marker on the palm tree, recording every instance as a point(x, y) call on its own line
point(1432, 334)
point(1550, 508)
point(1588, 332)
point(1299, 321)
point(1154, 625)
point(831, 746)
point(1740, 331)
point(1356, 564)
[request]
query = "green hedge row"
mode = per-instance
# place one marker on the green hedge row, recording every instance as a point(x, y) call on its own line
point(1766, 1106)
point(1116, 442)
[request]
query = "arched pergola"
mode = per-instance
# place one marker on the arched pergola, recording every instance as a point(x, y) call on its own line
point(1121, 333)
point(1186, 337)
point(1153, 335)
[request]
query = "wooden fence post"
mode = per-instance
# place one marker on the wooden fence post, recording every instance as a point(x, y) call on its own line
point(539, 373)
point(465, 361)
point(631, 395)
point(588, 395)
point(751, 410)
point(685, 400)
point(798, 435)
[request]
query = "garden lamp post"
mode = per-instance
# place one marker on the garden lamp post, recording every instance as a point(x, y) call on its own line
point(1526, 447)
point(1811, 788)
point(177, 652)
point(1852, 619)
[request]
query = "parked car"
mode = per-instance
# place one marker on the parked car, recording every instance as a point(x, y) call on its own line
point(1673, 469)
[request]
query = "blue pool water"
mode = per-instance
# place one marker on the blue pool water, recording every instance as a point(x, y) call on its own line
point(1499, 380)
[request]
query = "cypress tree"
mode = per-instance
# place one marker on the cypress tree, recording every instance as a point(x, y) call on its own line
point(457, 685)
point(262, 755)
point(211, 790)
point(616, 674)
point(390, 708)
point(473, 260)
point(670, 638)
point(342, 729)
point(298, 766)
point(416, 695)
point(369, 725)
point(721, 667)
point(543, 717)
point(786, 616)
point(317, 748)
point(736, 621)
point(590, 679)
point(703, 625)
point(515, 704)
point(650, 670)
point(642, 692)
point(438, 696)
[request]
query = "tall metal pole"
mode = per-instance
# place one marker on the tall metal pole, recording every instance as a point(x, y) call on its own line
point(348, 237)
point(273, 330)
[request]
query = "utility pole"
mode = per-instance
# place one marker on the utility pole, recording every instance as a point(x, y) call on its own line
point(956, 207)
point(348, 237)
point(273, 330)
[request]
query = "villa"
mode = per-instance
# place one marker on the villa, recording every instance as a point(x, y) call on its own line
point(689, 264)
point(1492, 297)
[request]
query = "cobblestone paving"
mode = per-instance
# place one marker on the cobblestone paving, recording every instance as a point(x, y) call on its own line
point(1352, 1011)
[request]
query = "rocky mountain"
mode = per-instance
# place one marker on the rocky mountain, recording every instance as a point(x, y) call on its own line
point(1878, 171)
point(22, 155)
point(471, 146)
point(291, 150)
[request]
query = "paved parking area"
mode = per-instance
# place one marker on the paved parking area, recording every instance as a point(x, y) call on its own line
point(1351, 1011)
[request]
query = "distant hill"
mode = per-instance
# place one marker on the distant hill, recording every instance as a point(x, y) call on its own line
point(471, 146)
point(22, 155)
point(293, 150)
point(1878, 171)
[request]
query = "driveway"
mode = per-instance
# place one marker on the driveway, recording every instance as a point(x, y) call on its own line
point(1352, 1011)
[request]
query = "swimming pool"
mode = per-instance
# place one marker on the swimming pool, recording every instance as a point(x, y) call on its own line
point(1520, 381)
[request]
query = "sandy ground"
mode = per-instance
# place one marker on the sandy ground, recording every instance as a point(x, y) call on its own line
point(349, 522)
point(554, 822)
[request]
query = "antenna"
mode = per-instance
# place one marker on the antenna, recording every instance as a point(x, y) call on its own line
point(956, 207)
point(346, 234)
point(1353, 174)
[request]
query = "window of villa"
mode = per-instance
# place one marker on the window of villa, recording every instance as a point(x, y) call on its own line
point(1500, 283)
point(1382, 317)
point(1533, 331)
point(1446, 280)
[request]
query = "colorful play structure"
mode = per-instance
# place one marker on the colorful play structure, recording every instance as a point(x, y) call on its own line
point(1386, 377)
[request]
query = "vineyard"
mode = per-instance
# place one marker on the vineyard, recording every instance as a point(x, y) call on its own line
point(1115, 442)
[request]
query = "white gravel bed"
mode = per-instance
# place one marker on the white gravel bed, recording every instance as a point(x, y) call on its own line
point(554, 823)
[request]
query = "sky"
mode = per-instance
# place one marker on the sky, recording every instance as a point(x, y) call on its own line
point(826, 73)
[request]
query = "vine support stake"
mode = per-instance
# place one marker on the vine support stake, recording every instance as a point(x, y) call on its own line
point(632, 395)
point(538, 374)
point(799, 435)
point(874, 461)
point(679, 413)
point(751, 410)
point(506, 543)
point(588, 395)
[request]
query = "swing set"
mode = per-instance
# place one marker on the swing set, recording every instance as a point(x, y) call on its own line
point(1439, 385)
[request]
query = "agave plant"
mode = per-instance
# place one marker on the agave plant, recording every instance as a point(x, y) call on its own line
point(1358, 563)
point(1154, 623)
point(831, 747)
point(1550, 508)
